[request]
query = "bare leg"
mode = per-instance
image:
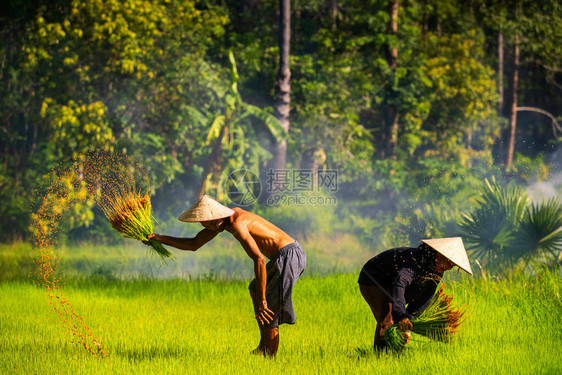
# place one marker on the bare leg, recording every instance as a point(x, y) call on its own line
point(271, 340)
point(269, 336)
point(381, 306)
point(260, 348)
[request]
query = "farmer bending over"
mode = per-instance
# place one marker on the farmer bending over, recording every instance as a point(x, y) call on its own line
point(272, 288)
point(400, 282)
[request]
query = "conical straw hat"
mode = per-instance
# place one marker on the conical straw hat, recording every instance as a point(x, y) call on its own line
point(205, 209)
point(453, 249)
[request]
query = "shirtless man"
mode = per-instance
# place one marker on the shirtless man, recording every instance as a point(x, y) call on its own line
point(271, 290)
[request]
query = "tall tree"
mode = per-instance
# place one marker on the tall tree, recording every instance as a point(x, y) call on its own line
point(392, 60)
point(230, 132)
point(513, 112)
point(283, 87)
point(334, 11)
point(500, 73)
point(531, 29)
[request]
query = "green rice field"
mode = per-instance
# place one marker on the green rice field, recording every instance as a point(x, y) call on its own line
point(206, 326)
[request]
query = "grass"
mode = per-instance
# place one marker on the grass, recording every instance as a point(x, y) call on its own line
point(207, 326)
point(221, 258)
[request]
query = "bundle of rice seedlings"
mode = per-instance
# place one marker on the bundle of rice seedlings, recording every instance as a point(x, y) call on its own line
point(394, 338)
point(130, 214)
point(439, 321)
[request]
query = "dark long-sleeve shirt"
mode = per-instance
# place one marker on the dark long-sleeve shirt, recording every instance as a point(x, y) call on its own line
point(408, 277)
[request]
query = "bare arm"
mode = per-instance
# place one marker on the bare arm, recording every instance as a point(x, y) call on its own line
point(190, 244)
point(265, 315)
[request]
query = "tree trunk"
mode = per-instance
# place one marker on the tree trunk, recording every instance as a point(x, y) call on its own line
point(334, 9)
point(392, 51)
point(499, 146)
point(213, 160)
point(513, 114)
point(392, 60)
point(283, 87)
point(500, 74)
point(313, 159)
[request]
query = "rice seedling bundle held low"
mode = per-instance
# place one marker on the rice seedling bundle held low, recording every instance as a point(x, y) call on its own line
point(439, 321)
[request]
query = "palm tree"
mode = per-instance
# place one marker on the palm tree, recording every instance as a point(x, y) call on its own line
point(540, 231)
point(232, 136)
point(490, 228)
point(504, 227)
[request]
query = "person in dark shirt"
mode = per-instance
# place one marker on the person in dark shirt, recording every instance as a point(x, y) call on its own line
point(400, 282)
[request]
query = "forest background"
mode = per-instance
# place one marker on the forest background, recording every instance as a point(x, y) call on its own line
point(423, 109)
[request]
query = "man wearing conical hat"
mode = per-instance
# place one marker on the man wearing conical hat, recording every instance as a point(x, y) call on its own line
point(271, 290)
point(400, 282)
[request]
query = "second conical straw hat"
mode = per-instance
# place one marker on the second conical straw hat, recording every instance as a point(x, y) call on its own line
point(206, 209)
point(453, 249)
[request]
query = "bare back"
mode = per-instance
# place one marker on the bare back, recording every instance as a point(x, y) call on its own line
point(267, 236)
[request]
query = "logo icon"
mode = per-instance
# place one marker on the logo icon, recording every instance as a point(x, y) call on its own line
point(243, 187)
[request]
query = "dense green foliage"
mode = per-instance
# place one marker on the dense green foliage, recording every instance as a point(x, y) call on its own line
point(187, 88)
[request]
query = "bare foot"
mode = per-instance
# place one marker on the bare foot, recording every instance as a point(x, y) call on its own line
point(258, 351)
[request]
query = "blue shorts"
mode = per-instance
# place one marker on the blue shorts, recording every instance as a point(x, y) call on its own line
point(282, 270)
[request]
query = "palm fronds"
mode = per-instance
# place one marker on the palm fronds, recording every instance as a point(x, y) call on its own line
point(490, 228)
point(540, 230)
point(504, 227)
